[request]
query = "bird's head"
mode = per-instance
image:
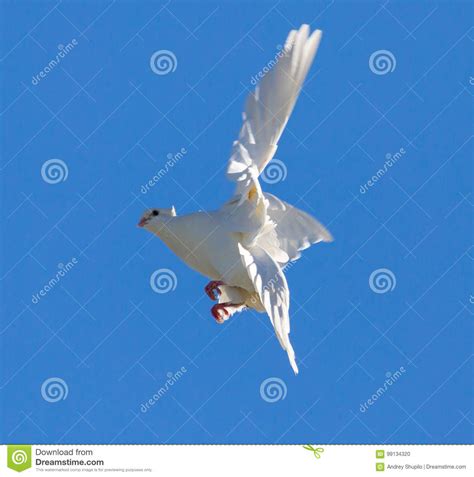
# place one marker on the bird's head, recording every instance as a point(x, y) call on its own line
point(153, 219)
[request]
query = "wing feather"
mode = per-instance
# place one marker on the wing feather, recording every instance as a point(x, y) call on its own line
point(269, 107)
point(272, 288)
point(295, 230)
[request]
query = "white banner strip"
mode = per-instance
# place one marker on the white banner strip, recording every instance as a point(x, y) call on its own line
point(239, 460)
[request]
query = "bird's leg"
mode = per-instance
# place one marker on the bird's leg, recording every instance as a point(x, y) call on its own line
point(223, 311)
point(212, 289)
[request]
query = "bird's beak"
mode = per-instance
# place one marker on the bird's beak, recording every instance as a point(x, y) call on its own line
point(142, 222)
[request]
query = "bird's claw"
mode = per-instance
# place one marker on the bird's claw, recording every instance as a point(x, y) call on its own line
point(220, 312)
point(212, 290)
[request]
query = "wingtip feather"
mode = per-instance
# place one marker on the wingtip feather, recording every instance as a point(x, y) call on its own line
point(293, 364)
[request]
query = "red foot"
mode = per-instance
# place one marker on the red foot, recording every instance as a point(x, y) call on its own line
point(220, 310)
point(212, 289)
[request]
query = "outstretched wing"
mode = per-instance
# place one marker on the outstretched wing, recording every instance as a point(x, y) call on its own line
point(272, 288)
point(268, 108)
point(296, 230)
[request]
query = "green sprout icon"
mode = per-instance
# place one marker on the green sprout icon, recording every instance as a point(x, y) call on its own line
point(315, 450)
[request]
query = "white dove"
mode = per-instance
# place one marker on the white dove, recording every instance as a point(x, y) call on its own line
point(243, 246)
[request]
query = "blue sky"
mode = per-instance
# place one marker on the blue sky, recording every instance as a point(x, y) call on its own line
point(111, 123)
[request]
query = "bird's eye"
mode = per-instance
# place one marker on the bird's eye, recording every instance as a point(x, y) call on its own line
point(155, 213)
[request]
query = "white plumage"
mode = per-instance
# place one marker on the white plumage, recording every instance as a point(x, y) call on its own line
point(243, 246)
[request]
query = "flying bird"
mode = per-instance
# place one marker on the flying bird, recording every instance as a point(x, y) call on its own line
point(243, 246)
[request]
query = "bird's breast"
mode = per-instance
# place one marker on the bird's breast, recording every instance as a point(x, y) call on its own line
point(202, 241)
